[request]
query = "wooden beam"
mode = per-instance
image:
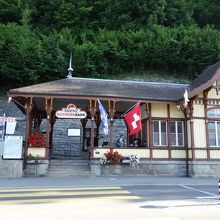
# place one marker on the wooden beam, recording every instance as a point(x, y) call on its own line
point(111, 110)
point(29, 118)
point(92, 109)
point(48, 109)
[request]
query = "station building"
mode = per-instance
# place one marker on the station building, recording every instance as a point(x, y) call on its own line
point(180, 133)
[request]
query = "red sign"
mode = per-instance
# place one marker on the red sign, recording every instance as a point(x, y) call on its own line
point(71, 112)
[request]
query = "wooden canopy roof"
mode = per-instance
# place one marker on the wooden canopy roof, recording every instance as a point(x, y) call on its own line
point(85, 88)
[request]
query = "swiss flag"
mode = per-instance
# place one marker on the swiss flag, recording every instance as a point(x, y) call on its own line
point(133, 119)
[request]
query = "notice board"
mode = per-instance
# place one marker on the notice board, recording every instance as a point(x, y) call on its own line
point(13, 147)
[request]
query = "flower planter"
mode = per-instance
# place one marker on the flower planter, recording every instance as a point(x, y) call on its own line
point(37, 151)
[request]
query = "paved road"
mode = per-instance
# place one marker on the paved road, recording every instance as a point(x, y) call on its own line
point(134, 198)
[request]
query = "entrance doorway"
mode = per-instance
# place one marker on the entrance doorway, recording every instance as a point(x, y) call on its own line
point(67, 139)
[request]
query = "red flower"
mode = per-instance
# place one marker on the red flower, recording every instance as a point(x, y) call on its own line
point(113, 157)
point(36, 140)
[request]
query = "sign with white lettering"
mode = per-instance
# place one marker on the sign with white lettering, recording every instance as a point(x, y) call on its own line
point(71, 112)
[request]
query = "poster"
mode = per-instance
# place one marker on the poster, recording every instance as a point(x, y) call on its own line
point(10, 127)
point(13, 147)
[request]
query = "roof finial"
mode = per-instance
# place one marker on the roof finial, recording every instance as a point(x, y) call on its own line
point(70, 69)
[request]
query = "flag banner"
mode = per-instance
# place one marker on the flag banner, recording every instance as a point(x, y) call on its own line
point(133, 119)
point(104, 118)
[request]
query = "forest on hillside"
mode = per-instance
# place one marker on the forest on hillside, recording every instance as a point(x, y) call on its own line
point(107, 38)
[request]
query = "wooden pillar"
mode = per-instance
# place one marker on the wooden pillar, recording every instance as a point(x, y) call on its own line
point(186, 144)
point(84, 122)
point(53, 120)
point(92, 109)
point(111, 110)
point(29, 118)
point(168, 132)
point(150, 131)
point(192, 130)
point(146, 124)
point(48, 108)
point(205, 95)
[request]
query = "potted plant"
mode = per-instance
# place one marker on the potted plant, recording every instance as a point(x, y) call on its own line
point(111, 158)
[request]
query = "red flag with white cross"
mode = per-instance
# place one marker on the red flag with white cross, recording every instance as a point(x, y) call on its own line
point(133, 119)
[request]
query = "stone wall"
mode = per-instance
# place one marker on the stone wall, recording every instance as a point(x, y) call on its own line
point(65, 145)
point(204, 168)
point(145, 168)
point(11, 168)
point(11, 110)
point(36, 168)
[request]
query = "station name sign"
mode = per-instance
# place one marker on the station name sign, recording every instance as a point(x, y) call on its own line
point(71, 112)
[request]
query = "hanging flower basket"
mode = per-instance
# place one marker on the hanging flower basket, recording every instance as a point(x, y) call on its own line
point(36, 139)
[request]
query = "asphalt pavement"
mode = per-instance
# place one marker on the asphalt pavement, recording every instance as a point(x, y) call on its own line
point(104, 181)
point(130, 198)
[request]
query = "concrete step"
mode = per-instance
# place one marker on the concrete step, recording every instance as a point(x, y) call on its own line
point(70, 175)
point(69, 168)
point(69, 162)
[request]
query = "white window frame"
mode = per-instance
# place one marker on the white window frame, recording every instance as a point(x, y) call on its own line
point(216, 133)
point(176, 134)
point(216, 112)
point(160, 133)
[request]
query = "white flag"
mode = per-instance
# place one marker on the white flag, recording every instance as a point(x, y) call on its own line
point(104, 118)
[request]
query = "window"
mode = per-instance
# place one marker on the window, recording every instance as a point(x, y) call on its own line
point(160, 133)
point(176, 130)
point(214, 113)
point(214, 128)
point(214, 134)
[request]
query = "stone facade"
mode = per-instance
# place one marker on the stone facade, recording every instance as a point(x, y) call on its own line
point(11, 168)
point(145, 168)
point(36, 168)
point(204, 168)
point(65, 145)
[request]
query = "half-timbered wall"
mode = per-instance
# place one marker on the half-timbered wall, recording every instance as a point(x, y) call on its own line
point(159, 110)
point(174, 112)
point(162, 112)
point(202, 150)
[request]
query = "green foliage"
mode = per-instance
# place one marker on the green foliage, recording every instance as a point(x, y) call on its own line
point(108, 38)
point(20, 56)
